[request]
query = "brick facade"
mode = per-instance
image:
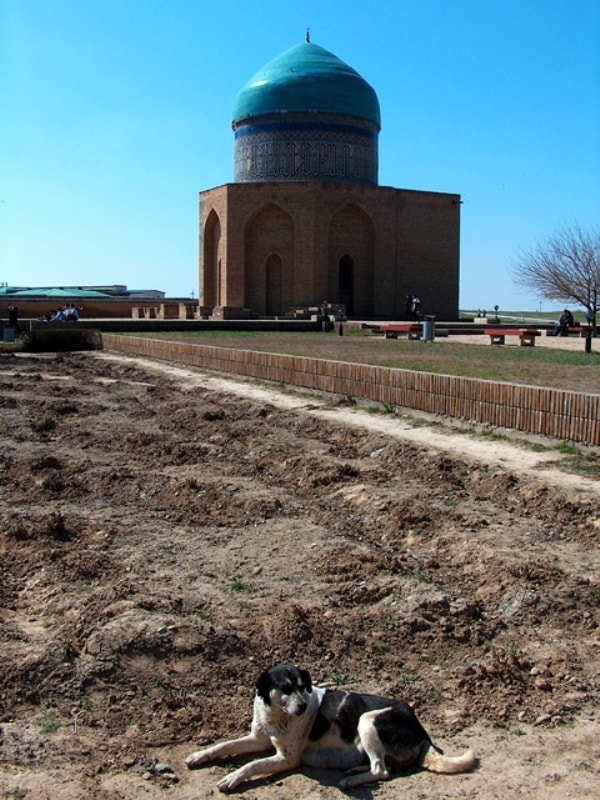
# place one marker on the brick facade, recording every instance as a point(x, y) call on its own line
point(272, 246)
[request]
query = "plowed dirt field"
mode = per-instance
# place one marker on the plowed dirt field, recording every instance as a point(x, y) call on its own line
point(167, 534)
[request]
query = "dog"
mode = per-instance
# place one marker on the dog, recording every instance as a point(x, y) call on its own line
point(366, 735)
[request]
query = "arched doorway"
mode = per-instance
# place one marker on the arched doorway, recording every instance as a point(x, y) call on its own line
point(274, 300)
point(351, 261)
point(210, 280)
point(346, 283)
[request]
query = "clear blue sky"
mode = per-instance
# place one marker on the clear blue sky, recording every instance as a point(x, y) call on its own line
point(116, 113)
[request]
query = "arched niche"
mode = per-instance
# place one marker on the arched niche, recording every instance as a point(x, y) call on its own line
point(269, 260)
point(210, 280)
point(351, 261)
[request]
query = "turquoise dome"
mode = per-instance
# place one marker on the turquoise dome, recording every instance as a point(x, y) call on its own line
point(307, 79)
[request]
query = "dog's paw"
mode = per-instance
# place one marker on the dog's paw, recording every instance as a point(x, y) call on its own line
point(198, 758)
point(228, 783)
point(358, 777)
point(345, 784)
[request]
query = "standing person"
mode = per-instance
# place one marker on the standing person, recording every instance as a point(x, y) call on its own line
point(416, 308)
point(13, 319)
point(408, 306)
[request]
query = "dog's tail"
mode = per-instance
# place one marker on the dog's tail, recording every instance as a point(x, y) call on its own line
point(435, 761)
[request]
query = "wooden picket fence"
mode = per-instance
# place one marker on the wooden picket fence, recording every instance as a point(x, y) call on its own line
point(560, 414)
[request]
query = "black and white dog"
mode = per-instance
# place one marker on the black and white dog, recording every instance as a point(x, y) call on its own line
point(368, 735)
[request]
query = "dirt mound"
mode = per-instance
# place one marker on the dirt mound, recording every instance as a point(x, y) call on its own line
point(163, 543)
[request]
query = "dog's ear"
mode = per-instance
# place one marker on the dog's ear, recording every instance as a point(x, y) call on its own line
point(307, 680)
point(263, 687)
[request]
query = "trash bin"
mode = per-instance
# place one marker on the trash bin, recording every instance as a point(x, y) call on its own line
point(428, 328)
point(9, 334)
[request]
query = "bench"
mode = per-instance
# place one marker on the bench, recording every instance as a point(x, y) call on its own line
point(526, 335)
point(580, 330)
point(413, 330)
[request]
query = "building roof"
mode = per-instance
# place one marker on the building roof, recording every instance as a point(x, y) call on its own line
point(307, 79)
point(51, 291)
point(77, 292)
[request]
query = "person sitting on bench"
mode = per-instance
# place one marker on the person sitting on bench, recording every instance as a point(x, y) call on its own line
point(565, 322)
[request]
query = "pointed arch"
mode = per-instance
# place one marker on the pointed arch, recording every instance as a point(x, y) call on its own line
point(268, 260)
point(352, 260)
point(210, 280)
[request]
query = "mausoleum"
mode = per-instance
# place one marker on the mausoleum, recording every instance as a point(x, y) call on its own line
point(305, 220)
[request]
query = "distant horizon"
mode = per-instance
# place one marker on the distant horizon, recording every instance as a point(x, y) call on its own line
point(167, 298)
point(128, 291)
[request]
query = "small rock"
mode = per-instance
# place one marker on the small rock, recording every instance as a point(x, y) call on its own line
point(544, 719)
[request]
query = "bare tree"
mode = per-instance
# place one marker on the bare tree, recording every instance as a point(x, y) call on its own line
point(565, 267)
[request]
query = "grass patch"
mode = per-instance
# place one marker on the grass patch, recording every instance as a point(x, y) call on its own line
point(238, 585)
point(534, 366)
point(11, 347)
point(567, 449)
point(408, 677)
point(340, 679)
point(49, 723)
point(423, 577)
point(585, 464)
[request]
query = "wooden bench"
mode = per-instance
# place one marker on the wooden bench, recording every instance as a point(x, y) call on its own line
point(580, 330)
point(526, 335)
point(413, 330)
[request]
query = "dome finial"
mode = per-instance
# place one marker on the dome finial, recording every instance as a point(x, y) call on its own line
point(308, 35)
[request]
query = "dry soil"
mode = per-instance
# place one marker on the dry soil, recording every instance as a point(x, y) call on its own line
point(167, 534)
